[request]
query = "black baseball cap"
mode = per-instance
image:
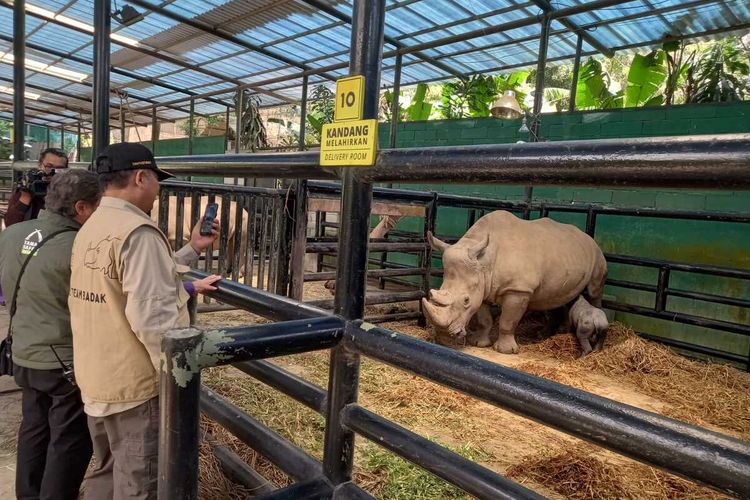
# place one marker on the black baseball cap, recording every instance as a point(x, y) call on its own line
point(128, 156)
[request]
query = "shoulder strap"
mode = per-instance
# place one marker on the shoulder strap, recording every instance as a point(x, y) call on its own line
point(23, 268)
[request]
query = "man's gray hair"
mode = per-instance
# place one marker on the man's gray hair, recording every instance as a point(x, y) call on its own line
point(69, 187)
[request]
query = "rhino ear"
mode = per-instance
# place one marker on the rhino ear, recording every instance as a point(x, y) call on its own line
point(436, 244)
point(477, 251)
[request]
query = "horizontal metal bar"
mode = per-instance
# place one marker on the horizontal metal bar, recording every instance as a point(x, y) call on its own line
point(312, 489)
point(687, 319)
point(649, 212)
point(293, 386)
point(726, 272)
point(631, 285)
point(370, 300)
point(452, 467)
point(718, 161)
point(697, 348)
point(266, 304)
point(236, 469)
point(385, 318)
point(289, 458)
point(350, 491)
point(205, 187)
point(683, 449)
point(372, 273)
point(708, 297)
point(395, 246)
point(243, 343)
point(707, 161)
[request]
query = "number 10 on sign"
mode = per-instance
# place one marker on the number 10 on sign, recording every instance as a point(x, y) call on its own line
point(349, 98)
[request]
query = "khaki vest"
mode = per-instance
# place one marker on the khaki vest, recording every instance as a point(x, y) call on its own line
point(111, 364)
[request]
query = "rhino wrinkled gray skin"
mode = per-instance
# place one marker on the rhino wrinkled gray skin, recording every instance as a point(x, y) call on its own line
point(517, 264)
point(590, 325)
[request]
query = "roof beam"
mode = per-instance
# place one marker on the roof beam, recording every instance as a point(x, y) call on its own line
point(155, 54)
point(66, 107)
point(224, 35)
point(331, 11)
point(570, 25)
point(45, 121)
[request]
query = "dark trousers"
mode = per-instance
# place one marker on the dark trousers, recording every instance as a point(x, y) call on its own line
point(54, 446)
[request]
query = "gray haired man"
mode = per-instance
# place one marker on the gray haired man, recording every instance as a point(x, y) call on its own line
point(54, 447)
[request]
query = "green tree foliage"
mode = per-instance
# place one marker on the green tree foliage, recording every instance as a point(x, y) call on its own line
point(253, 130)
point(646, 76)
point(721, 73)
point(419, 109)
point(320, 110)
point(5, 147)
point(474, 96)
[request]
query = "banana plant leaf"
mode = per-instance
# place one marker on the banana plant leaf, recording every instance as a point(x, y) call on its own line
point(316, 123)
point(592, 88)
point(645, 78)
point(419, 110)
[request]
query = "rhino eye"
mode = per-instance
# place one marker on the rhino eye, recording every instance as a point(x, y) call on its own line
point(467, 300)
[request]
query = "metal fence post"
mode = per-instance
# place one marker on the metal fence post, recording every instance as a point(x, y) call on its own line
point(154, 129)
point(351, 277)
point(303, 114)
point(299, 239)
point(191, 126)
point(102, 25)
point(19, 78)
point(576, 70)
point(179, 415)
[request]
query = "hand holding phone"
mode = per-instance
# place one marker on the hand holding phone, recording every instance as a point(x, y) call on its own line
point(209, 217)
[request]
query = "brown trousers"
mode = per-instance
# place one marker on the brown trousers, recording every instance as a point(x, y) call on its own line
point(126, 447)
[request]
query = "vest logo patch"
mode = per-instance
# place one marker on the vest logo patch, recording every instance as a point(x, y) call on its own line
point(98, 298)
point(101, 257)
point(31, 241)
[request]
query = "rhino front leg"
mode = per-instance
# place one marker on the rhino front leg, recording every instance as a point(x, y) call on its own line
point(480, 327)
point(514, 306)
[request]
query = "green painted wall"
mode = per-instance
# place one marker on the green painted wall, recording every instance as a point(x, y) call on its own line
point(724, 244)
point(175, 147)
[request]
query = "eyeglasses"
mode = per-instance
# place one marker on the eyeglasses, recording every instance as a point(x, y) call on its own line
point(50, 166)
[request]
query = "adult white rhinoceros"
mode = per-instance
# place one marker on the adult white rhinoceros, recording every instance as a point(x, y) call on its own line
point(517, 264)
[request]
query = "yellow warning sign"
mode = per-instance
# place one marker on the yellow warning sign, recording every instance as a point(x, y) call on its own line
point(349, 143)
point(349, 98)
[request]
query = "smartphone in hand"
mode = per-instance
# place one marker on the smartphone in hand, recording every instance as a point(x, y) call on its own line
point(207, 222)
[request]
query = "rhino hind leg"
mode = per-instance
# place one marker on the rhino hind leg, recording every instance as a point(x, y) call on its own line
point(595, 288)
point(513, 307)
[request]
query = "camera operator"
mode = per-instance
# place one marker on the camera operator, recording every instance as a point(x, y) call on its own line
point(28, 198)
point(54, 446)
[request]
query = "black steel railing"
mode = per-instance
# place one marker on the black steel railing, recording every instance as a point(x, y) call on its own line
point(677, 447)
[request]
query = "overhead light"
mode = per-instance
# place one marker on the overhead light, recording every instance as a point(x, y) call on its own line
point(506, 107)
point(27, 94)
point(48, 14)
point(49, 69)
point(127, 16)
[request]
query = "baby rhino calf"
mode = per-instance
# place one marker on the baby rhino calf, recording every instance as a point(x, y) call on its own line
point(590, 325)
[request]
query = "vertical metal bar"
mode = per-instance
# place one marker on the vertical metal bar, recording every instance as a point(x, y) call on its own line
point(238, 120)
point(164, 210)
point(240, 237)
point(299, 239)
point(179, 415)
point(590, 221)
point(62, 137)
point(122, 124)
point(19, 79)
point(78, 142)
point(661, 289)
point(395, 102)
point(471, 218)
point(251, 242)
point(195, 211)
point(226, 130)
point(191, 126)
point(210, 251)
point(179, 223)
point(287, 228)
point(226, 205)
point(303, 114)
point(368, 17)
point(102, 25)
point(46, 129)
point(576, 69)
point(273, 244)
point(320, 218)
point(430, 217)
point(540, 67)
point(154, 130)
point(263, 243)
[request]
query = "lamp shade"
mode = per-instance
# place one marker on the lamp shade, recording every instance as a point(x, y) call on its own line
point(506, 106)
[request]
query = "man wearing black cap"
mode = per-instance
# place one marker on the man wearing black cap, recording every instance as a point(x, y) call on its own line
point(125, 292)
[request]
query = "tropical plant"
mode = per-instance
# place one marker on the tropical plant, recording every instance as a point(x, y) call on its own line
point(474, 96)
point(419, 110)
point(679, 62)
point(209, 122)
point(386, 106)
point(453, 96)
point(5, 149)
point(252, 130)
point(645, 78)
point(592, 90)
point(320, 110)
point(720, 74)
point(557, 97)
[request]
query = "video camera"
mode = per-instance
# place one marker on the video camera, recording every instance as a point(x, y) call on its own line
point(36, 181)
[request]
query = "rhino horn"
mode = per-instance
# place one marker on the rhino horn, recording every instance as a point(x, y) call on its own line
point(436, 244)
point(437, 315)
point(477, 251)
